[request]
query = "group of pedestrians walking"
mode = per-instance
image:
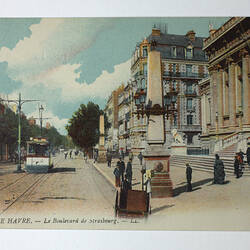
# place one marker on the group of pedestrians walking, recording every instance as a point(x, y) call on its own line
point(123, 175)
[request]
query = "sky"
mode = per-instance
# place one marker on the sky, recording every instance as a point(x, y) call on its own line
point(64, 62)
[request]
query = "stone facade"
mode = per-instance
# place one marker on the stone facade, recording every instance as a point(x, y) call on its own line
point(111, 110)
point(225, 94)
point(183, 65)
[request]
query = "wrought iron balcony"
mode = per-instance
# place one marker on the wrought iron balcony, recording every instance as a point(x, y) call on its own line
point(184, 75)
point(191, 93)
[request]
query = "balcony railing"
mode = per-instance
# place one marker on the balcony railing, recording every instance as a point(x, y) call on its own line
point(191, 92)
point(184, 74)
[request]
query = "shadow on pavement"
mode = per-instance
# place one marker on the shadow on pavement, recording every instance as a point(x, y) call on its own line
point(134, 184)
point(61, 198)
point(225, 182)
point(155, 210)
point(182, 189)
point(57, 170)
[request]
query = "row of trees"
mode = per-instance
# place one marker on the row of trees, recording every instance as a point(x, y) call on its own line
point(9, 131)
point(83, 127)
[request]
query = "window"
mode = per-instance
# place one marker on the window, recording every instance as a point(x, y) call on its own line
point(189, 53)
point(189, 88)
point(174, 68)
point(189, 119)
point(189, 139)
point(189, 103)
point(144, 51)
point(173, 51)
point(174, 86)
point(175, 119)
point(189, 69)
point(143, 83)
point(145, 69)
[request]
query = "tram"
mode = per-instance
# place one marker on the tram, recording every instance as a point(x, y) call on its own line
point(38, 158)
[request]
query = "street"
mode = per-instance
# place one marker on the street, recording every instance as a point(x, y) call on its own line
point(71, 187)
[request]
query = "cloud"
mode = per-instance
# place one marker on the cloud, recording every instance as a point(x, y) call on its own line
point(40, 65)
point(64, 77)
point(54, 120)
point(53, 42)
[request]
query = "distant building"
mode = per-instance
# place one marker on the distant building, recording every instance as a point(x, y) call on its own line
point(184, 64)
point(48, 126)
point(32, 121)
point(111, 111)
point(225, 95)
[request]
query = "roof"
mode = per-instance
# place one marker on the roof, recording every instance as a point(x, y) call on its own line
point(177, 40)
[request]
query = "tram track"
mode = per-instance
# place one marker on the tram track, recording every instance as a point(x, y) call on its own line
point(35, 180)
point(30, 188)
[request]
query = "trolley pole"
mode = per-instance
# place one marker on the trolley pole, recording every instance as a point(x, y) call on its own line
point(19, 169)
point(19, 103)
point(41, 118)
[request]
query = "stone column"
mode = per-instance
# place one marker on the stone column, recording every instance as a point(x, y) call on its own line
point(213, 96)
point(154, 94)
point(101, 150)
point(156, 154)
point(207, 110)
point(219, 84)
point(203, 114)
point(246, 90)
point(226, 93)
point(232, 97)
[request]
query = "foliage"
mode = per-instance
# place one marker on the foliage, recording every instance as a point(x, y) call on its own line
point(83, 127)
point(9, 131)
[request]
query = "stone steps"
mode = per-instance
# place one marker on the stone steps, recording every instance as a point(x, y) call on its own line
point(228, 151)
point(204, 163)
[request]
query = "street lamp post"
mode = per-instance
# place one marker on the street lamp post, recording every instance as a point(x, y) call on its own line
point(19, 103)
point(41, 109)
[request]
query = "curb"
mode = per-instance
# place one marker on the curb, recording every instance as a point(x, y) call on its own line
point(104, 175)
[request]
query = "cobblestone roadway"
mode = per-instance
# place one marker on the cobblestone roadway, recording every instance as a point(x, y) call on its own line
point(73, 187)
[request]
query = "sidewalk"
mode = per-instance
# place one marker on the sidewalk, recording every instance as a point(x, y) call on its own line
point(107, 172)
point(229, 201)
point(157, 204)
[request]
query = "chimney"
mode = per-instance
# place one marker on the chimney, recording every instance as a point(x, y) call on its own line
point(191, 35)
point(211, 29)
point(156, 32)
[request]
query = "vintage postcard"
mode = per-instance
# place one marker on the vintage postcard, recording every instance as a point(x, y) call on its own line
point(125, 123)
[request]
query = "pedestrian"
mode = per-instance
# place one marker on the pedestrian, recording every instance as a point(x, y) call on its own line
point(65, 155)
point(70, 154)
point(121, 166)
point(241, 155)
point(95, 157)
point(109, 159)
point(140, 157)
point(147, 178)
point(248, 153)
point(219, 173)
point(131, 156)
point(122, 154)
point(117, 174)
point(189, 177)
point(129, 173)
point(237, 170)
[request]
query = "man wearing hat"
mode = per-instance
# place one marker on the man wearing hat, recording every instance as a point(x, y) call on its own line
point(189, 177)
point(121, 166)
point(248, 154)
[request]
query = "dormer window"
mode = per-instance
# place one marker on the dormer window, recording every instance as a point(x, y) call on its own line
point(144, 51)
point(173, 51)
point(189, 52)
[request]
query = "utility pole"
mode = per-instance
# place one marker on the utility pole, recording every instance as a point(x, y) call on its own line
point(41, 109)
point(19, 103)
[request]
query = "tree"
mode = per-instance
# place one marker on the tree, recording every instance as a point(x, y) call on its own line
point(83, 127)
